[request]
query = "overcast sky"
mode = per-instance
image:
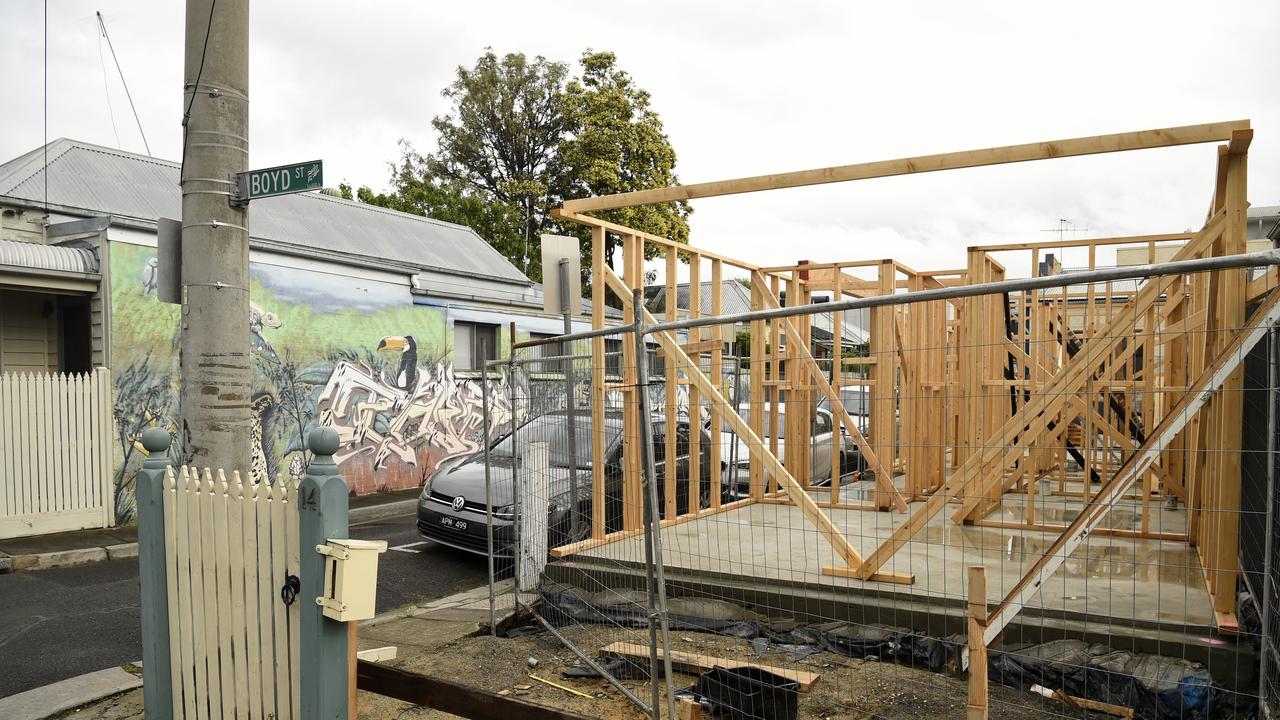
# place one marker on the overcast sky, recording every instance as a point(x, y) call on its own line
point(744, 88)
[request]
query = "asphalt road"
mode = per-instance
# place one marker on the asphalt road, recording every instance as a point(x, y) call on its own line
point(57, 624)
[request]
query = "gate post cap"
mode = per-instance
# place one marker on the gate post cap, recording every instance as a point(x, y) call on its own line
point(323, 441)
point(155, 439)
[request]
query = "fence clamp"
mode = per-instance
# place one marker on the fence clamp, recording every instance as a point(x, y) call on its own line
point(350, 578)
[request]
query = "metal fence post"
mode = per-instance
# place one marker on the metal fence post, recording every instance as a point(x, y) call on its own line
point(653, 523)
point(322, 646)
point(157, 674)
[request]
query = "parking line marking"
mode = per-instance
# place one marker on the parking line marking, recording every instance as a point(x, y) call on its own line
point(405, 548)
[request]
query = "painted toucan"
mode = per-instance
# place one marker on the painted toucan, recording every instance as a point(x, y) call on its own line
point(406, 377)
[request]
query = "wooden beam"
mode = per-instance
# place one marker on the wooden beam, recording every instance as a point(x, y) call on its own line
point(619, 535)
point(452, 697)
point(694, 663)
point(1091, 145)
point(1083, 242)
point(623, 230)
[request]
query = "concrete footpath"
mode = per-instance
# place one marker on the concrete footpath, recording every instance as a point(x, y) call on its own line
point(41, 552)
point(116, 693)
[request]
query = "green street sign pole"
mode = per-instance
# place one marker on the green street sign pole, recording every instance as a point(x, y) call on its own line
point(279, 180)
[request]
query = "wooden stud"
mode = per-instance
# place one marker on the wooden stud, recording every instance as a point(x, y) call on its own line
point(717, 372)
point(695, 400)
point(598, 365)
point(671, 451)
point(976, 708)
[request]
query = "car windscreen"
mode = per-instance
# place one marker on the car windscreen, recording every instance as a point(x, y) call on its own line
point(854, 401)
point(768, 412)
point(554, 431)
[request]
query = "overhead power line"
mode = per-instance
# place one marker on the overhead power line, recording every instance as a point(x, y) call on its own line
point(103, 25)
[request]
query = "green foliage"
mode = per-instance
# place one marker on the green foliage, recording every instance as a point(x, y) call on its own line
point(521, 137)
point(502, 138)
point(617, 145)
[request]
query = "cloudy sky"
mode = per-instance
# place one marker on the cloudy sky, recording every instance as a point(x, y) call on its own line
point(744, 88)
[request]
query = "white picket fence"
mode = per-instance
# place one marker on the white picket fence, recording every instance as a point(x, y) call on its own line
point(55, 452)
point(228, 549)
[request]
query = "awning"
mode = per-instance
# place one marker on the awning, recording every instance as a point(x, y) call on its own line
point(48, 268)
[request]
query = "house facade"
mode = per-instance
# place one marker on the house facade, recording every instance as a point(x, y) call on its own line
point(367, 320)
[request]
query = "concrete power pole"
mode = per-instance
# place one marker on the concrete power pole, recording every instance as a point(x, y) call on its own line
point(217, 375)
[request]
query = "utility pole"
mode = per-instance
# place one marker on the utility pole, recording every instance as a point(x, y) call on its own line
point(216, 372)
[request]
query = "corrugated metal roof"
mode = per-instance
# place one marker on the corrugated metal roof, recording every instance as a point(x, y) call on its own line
point(736, 298)
point(48, 257)
point(107, 181)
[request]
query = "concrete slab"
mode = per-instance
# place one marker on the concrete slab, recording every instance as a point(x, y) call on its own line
point(1114, 581)
point(50, 700)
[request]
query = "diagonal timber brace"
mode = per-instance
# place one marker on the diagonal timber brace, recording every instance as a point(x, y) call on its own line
point(1226, 362)
point(711, 391)
point(1044, 404)
point(883, 478)
point(1034, 417)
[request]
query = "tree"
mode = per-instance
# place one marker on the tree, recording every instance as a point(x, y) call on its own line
point(502, 138)
point(520, 138)
point(413, 190)
point(617, 144)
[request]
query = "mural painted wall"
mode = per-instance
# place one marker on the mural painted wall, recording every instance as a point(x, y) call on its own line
point(328, 350)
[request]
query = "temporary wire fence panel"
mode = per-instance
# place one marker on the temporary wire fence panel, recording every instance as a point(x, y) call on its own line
point(229, 545)
point(564, 468)
point(1042, 486)
point(1076, 444)
point(55, 452)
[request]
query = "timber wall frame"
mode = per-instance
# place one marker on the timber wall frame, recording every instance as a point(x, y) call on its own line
point(1076, 363)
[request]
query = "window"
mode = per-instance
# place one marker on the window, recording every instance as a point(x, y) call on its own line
point(473, 344)
point(821, 423)
point(550, 350)
point(612, 357)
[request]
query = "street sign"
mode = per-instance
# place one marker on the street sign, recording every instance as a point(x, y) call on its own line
point(281, 180)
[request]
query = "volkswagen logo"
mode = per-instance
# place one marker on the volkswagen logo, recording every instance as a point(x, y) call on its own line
point(458, 502)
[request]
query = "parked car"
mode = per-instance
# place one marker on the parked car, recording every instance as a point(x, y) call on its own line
point(451, 508)
point(819, 438)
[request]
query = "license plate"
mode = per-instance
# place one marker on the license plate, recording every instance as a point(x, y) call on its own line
point(454, 523)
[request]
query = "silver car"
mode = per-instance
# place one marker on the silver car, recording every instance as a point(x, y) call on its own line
point(820, 437)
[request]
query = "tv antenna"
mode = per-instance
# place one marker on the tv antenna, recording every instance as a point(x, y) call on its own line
point(1066, 226)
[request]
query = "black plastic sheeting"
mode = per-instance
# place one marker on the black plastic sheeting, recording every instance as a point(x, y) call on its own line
point(1154, 685)
point(1157, 687)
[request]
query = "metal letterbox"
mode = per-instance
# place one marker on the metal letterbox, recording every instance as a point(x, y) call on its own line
point(350, 578)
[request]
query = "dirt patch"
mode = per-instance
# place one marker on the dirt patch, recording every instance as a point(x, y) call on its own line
point(848, 688)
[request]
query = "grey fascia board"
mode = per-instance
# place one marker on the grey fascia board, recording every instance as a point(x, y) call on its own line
point(60, 274)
